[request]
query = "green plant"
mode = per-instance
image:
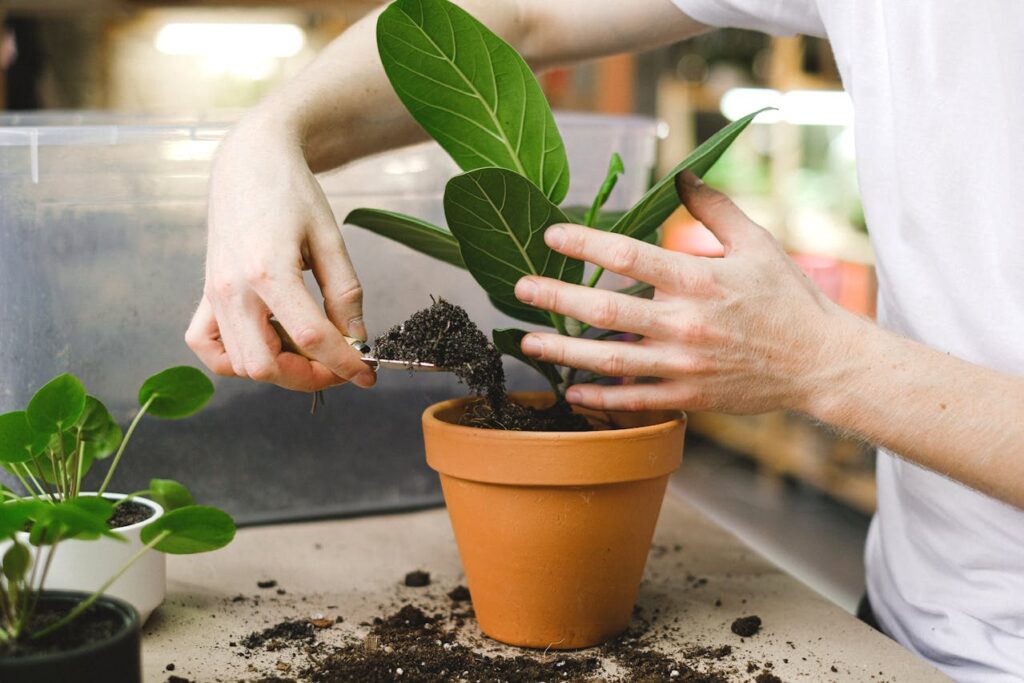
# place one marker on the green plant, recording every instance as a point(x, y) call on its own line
point(50, 447)
point(52, 444)
point(475, 95)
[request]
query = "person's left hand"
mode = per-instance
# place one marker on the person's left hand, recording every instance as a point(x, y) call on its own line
point(746, 333)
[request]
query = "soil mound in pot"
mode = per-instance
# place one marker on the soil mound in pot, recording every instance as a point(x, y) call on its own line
point(95, 625)
point(444, 335)
point(128, 513)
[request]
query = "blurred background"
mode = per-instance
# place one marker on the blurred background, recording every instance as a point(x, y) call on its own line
point(113, 109)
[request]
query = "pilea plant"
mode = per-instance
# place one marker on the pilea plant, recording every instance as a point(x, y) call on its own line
point(50, 447)
point(185, 530)
point(52, 444)
point(475, 95)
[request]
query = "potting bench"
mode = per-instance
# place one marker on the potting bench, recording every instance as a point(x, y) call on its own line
point(699, 579)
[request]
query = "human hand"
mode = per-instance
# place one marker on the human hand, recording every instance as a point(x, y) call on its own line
point(268, 222)
point(746, 333)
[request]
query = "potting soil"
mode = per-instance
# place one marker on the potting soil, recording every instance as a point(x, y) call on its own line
point(444, 335)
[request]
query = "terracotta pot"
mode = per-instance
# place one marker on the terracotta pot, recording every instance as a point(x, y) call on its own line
point(553, 528)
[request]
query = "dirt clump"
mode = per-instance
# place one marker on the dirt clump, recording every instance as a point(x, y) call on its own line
point(746, 626)
point(417, 579)
point(444, 335)
point(281, 635)
point(459, 594)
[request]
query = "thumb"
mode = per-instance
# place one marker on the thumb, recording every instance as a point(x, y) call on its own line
point(715, 210)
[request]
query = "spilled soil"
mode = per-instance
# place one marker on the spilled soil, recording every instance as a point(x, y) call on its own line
point(444, 335)
point(422, 644)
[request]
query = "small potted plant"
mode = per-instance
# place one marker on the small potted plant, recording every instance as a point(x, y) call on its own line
point(553, 528)
point(51, 446)
point(81, 636)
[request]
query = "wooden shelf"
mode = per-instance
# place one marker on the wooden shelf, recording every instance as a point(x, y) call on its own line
point(785, 444)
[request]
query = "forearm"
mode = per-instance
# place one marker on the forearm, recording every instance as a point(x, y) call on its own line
point(342, 106)
point(954, 417)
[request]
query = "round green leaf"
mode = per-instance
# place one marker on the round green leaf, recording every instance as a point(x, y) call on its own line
point(17, 560)
point(99, 431)
point(192, 529)
point(84, 517)
point(170, 494)
point(17, 440)
point(176, 392)
point(14, 514)
point(57, 405)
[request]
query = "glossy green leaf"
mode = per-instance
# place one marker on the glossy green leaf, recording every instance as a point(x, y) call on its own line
point(412, 232)
point(499, 219)
point(509, 340)
point(192, 529)
point(98, 429)
point(471, 92)
point(84, 517)
point(57, 405)
point(170, 494)
point(177, 392)
point(615, 169)
point(661, 200)
point(17, 561)
point(604, 220)
point(639, 289)
point(523, 312)
point(18, 441)
point(15, 513)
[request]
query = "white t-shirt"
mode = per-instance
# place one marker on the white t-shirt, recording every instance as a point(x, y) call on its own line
point(938, 93)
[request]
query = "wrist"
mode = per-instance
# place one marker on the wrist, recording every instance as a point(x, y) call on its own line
point(835, 365)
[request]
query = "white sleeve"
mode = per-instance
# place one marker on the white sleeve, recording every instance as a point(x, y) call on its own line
point(777, 17)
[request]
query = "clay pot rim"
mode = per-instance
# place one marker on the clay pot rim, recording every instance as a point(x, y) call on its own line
point(672, 419)
point(514, 458)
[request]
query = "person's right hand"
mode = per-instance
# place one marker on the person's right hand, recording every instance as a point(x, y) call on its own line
point(269, 221)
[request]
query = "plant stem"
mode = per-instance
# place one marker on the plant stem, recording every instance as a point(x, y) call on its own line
point(124, 442)
point(87, 603)
point(21, 478)
point(595, 277)
point(132, 495)
point(559, 323)
point(76, 481)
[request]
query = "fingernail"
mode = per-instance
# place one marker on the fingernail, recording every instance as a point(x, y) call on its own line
point(573, 395)
point(691, 179)
point(526, 290)
point(357, 329)
point(555, 236)
point(364, 380)
point(531, 345)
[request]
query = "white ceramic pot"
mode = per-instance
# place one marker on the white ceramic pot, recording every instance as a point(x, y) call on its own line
point(86, 565)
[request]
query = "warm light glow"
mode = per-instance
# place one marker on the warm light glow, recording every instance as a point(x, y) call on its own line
point(799, 107)
point(243, 50)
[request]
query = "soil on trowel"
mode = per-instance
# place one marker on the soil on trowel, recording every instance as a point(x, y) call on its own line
point(444, 335)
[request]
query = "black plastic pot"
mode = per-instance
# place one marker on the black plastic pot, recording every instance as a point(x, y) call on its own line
point(114, 660)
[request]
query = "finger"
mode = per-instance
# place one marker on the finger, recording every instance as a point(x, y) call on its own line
point(608, 358)
point(251, 349)
point(316, 337)
point(203, 337)
point(333, 269)
point(715, 210)
point(633, 397)
point(633, 258)
point(597, 307)
point(257, 352)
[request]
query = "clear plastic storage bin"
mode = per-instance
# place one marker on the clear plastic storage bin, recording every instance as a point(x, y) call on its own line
point(102, 241)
